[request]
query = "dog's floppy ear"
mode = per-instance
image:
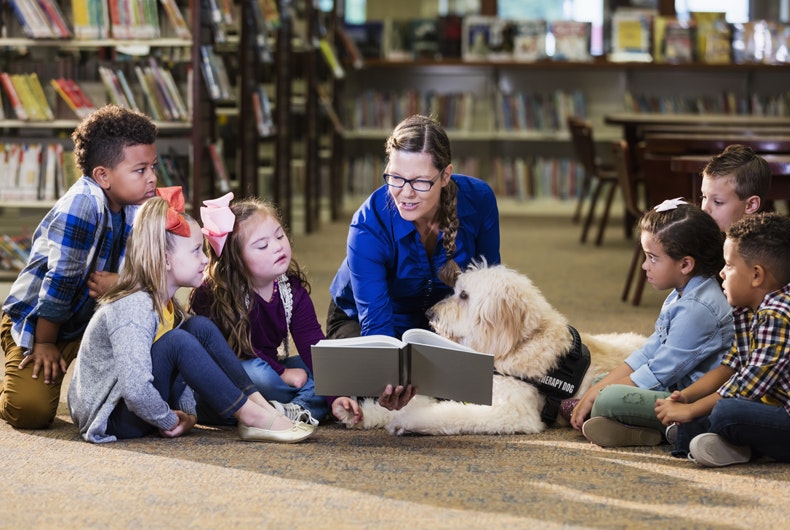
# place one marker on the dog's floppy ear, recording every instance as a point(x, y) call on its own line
point(500, 320)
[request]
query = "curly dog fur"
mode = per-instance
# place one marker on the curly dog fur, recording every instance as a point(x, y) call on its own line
point(497, 310)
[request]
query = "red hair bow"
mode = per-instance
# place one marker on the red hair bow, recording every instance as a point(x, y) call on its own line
point(175, 222)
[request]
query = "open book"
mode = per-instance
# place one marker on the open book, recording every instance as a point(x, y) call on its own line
point(438, 367)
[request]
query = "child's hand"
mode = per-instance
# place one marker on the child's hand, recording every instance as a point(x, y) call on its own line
point(99, 282)
point(342, 407)
point(582, 410)
point(185, 424)
point(295, 377)
point(670, 411)
point(46, 356)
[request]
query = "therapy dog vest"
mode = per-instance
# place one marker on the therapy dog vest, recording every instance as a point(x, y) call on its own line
point(562, 382)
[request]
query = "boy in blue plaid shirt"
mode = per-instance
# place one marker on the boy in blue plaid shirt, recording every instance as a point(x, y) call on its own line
point(741, 409)
point(76, 253)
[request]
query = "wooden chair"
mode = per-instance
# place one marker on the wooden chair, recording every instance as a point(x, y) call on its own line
point(629, 186)
point(602, 175)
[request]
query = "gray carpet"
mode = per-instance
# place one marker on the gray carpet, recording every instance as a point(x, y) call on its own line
point(350, 479)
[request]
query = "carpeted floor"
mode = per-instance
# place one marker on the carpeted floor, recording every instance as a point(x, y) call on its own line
point(351, 479)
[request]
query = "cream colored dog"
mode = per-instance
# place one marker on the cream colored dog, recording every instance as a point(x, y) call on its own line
point(499, 311)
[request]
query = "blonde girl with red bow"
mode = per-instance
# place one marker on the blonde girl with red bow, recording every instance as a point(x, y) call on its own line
point(141, 358)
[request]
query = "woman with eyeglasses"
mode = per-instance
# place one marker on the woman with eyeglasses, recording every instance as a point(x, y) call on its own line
point(408, 242)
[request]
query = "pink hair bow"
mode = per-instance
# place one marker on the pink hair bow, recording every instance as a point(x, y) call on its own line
point(218, 220)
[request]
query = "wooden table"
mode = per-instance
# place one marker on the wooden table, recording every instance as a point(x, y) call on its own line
point(780, 173)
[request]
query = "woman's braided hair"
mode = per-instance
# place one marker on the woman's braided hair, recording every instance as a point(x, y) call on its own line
point(424, 134)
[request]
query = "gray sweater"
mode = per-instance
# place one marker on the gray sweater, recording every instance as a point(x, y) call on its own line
point(114, 363)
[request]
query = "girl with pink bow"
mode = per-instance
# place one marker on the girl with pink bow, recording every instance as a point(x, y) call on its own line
point(260, 300)
point(142, 358)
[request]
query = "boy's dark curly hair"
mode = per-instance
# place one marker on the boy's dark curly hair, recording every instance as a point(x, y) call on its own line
point(764, 239)
point(687, 231)
point(102, 136)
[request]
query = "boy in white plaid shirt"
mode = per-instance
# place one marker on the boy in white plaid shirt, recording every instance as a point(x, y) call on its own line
point(741, 409)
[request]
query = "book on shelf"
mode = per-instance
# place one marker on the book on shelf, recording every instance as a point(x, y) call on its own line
point(632, 37)
point(32, 97)
point(13, 97)
point(571, 40)
point(368, 38)
point(176, 19)
point(754, 42)
point(330, 57)
point(675, 43)
point(220, 169)
point(424, 38)
point(397, 40)
point(476, 36)
point(91, 19)
point(329, 109)
point(138, 19)
point(113, 87)
point(438, 367)
point(14, 252)
point(72, 94)
point(529, 40)
point(450, 36)
point(214, 74)
point(350, 52)
point(262, 107)
point(261, 27)
point(41, 19)
point(705, 22)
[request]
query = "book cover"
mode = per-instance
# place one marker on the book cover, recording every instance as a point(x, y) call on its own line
point(529, 40)
point(368, 37)
point(476, 36)
point(632, 35)
point(571, 40)
point(13, 97)
point(450, 36)
point(705, 21)
point(438, 367)
point(678, 44)
point(397, 40)
point(424, 38)
point(176, 18)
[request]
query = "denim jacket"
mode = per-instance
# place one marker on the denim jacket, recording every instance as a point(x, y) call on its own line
point(693, 331)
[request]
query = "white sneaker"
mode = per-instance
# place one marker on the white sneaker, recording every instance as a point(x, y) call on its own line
point(711, 450)
point(294, 412)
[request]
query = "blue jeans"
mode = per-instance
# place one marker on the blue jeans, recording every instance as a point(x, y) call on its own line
point(764, 428)
point(271, 385)
point(195, 354)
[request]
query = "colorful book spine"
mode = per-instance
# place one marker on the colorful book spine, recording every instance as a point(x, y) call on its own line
point(176, 19)
point(13, 97)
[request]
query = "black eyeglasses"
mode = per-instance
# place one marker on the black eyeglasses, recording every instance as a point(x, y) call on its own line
point(394, 181)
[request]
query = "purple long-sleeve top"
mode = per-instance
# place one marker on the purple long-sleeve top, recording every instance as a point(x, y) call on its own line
point(268, 326)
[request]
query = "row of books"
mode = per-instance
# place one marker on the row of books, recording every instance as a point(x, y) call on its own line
point(155, 93)
point(722, 103)
point(706, 37)
point(215, 74)
point(14, 251)
point(520, 178)
point(35, 171)
point(98, 19)
point(472, 38)
point(43, 172)
point(528, 111)
point(160, 92)
point(373, 109)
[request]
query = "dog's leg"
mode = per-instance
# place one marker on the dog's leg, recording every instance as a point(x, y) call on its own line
point(374, 416)
point(515, 409)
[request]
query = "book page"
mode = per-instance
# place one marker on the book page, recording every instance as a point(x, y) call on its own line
point(451, 373)
point(423, 336)
point(362, 342)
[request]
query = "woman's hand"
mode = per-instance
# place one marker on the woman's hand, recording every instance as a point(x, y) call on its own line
point(396, 398)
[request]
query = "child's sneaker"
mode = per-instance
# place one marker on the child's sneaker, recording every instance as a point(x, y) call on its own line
point(611, 433)
point(711, 450)
point(671, 434)
point(294, 412)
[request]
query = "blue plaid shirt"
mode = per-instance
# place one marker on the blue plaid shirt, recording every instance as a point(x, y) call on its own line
point(760, 355)
point(74, 239)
